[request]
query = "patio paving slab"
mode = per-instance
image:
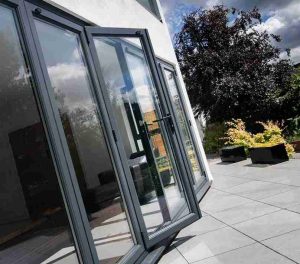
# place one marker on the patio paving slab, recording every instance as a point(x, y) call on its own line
point(285, 199)
point(253, 254)
point(252, 216)
point(258, 189)
point(212, 243)
point(287, 244)
point(222, 201)
point(294, 208)
point(203, 225)
point(223, 183)
point(173, 256)
point(244, 212)
point(270, 225)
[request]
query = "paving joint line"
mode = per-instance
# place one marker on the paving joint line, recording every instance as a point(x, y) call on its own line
point(260, 241)
point(259, 180)
point(256, 200)
point(224, 253)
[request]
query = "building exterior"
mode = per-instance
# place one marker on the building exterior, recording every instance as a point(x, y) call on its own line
point(99, 150)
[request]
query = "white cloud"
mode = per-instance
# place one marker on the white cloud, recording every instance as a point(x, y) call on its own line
point(272, 25)
point(282, 17)
point(72, 81)
point(65, 72)
point(295, 54)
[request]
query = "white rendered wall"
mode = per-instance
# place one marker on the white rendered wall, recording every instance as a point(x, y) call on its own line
point(131, 14)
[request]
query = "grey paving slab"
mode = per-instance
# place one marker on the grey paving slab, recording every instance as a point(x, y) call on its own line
point(285, 199)
point(230, 169)
point(294, 208)
point(212, 243)
point(203, 225)
point(222, 202)
point(253, 254)
point(259, 190)
point(287, 244)
point(223, 183)
point(289, 165)
point(172, 256)
point(244, 212)
point(276, 175)
point(270, 225)
point(265, 174)
point(213, 194)
point(287, 177)
point(258, 201)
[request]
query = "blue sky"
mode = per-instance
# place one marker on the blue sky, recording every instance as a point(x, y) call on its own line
point(280, 17)
point(175, 11)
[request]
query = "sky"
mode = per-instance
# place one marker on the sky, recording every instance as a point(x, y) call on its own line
point(280, 17)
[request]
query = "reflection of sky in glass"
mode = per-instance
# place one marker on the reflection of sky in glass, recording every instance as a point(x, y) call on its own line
point(66, 68)
point(115, 79)
point(141, 82)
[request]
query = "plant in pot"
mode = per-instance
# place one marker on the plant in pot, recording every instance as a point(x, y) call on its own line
point(266, 147)
point(237, 142)
point(270, 146)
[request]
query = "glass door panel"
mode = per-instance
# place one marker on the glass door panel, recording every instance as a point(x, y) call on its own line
point(143, 129)
point(34, 226)
point(176, 101)
point(97, 180)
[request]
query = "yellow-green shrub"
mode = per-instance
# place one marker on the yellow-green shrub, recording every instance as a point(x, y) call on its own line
point(237, 134)
point(271, 136)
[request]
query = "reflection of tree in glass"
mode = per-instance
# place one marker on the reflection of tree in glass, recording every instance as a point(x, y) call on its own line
point(83, 118)
point(16, 93)
point(81, 126)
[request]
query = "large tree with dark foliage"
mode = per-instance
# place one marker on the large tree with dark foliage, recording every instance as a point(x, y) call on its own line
point(232, 69)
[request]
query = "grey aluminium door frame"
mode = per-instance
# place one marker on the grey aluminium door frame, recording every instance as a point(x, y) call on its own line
point(202, 188)
point(142, 34)
point(86, 240)
point(165, 66)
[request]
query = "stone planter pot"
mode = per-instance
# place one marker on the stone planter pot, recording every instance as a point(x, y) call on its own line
point(233, 154)
point(268, 155)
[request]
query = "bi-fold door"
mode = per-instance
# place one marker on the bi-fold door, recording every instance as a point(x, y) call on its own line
point(118, 144)
point(145, 131)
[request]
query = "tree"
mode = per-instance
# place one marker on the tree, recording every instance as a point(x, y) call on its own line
point(232, 69)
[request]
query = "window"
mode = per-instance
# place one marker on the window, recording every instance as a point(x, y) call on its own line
point(151, 6)
point(34, 226)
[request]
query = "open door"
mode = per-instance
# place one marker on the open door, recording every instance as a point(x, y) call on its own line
point(144, 130)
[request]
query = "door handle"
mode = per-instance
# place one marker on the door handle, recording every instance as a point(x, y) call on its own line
point(162, 119)
point(170, 121)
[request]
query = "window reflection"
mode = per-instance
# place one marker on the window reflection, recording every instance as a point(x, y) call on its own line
point(98, 183)
point(33, 223)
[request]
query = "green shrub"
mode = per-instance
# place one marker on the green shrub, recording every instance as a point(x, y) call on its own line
point(292, 129)
point(214, 137)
